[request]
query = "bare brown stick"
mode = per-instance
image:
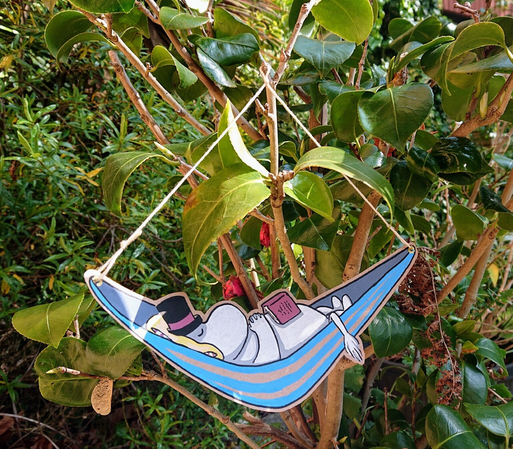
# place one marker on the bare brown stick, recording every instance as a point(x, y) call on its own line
point(298, 435)
point(507, 269)
point(259, 428)
point(146, 12)
point(286, 54)
point(217, 93)
point(494, 113)
point(361, 64)
point(299, 418)
point(465, 8)
point(263, 269)
point(257, 214)
point(134, 96)
point(215, 276)
point(239, 268)
point(275, 253)
point(136, 62)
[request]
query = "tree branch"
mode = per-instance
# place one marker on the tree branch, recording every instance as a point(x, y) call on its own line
point(136, 62)
point(217, 93)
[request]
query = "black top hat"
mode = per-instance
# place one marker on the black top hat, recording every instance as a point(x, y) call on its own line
point(178, 315)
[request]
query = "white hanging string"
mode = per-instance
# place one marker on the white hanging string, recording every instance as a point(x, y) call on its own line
point(106, 267)
point(314, 140)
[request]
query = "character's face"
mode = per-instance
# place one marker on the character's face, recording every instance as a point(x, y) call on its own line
point(226, 328)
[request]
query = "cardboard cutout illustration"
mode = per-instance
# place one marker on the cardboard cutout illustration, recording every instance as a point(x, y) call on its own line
point(270, 359)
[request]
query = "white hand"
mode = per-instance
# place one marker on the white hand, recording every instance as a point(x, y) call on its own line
point(353, 347)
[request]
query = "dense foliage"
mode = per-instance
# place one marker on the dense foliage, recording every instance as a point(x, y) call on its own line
point(413, 109)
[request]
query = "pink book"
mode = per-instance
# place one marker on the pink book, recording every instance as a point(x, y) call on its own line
point(281, 307)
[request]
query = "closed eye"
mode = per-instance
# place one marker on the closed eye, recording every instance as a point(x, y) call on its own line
point(201, 332)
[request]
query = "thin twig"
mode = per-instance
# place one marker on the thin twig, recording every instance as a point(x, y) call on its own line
point(361, 65)
point(215, 276)
point(286, 54)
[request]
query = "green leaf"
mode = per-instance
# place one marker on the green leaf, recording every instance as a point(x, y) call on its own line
point(506, 221)
point(456, 101)
point(311, 191)
point(232, 149)
point(459, 160)
point(394, 114)
point(496, 419)
point(172, 19)
point(134, 19)
point(47, 323)
point(104, 6)
point(226, 24)
point(422, 163)
point(421, 224)
point(489, 350)
point(445, 429)
point(475, 388)
point(352, 20)
point(213, 70)
point(478, 35)
point(378, 242)
point(503, 161)
point(413, 50)
point(492, 201)
point(352, 406)
point(197, 148)
point(112, 351)
point(398, 440)
point(316, 231)
point(64, 51)
point(323, 55)
point(216, 205)
point(346, 164)
point(344, 116)
point(332, 89)
point(451, 252)
point(232, 50)
point(409, 188)
point(390, 332)
point(133, 39)
point(65, 389)
point(64, 26)
point(161, 57)
point(469, 225)
point(425, 140)
point(250, 233)
point(118, 168)
point(398, 26)
point(425, 31)
point(330, 264)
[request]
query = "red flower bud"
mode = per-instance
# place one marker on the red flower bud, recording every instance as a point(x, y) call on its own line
point(233, 288)
point(265, 236)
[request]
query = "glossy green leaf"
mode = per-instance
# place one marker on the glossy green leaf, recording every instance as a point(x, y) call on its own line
point(503, 161)
point(496, 419)
point(378, 242)
point(468, 224)
point(344, 191)
point(352, 20)
point(332, 89)
point(445, 429)
point(390, 332)
point(65, 389)
point(197, 148)
point(414, 50)
point(216, 205)
point(232, 149)
point(250, 233)
point(346, 164)
point(226, 24)
point(425, 31)
point(505, 221)
point(478, 35)
point(475, 387)
point(421, 224)
point(64, 26)
point(134, 19)
point(118, 168)
point(316, 231)
point(311, 191)
point(409, 188)
point(330, 264)
point(456, 101)
point(213, 70)
point(104, 6)
point(344, 116)
point(398, 440)
point(48, 323)
point(425, 140)
point(432, 60)
point(394, 114)
point(459, 160)
point(161, 58)
point(492, 201)
point(323, 55)
point(422, 163)
point(451, 252)
point(111, 351)
point(230, 50)
point(64, 51)
point(133, 40)
point(172, 19)
point(398, 26)
point(489, 350)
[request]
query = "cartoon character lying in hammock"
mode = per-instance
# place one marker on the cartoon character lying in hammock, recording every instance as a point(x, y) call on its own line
point(278, 330)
